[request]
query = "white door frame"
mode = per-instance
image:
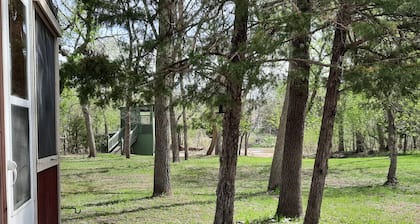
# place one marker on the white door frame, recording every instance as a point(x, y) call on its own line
point(27, 212)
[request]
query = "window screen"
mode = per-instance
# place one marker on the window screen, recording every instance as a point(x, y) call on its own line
point(45, 53)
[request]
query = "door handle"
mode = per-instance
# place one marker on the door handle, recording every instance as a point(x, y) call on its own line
point(12, 166)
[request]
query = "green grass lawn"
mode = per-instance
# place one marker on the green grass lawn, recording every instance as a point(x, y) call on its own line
point(112, 189)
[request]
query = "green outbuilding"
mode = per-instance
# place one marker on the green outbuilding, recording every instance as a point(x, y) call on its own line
point(142, 129)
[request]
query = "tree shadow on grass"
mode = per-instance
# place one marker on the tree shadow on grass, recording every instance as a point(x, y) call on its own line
point(360, 191)
point(112, 202)
point(87, 173)
point(138, 209)
point(81, 216)
point(64, 193)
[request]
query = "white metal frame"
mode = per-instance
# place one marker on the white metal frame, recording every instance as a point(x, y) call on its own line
point(10, 100)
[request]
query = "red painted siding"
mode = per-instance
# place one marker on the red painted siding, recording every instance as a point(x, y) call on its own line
point(48, 209)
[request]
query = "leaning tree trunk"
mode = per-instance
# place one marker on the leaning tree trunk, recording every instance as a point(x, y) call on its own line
point(290, 198)
point(393, 152)
point(161, 179)
point(330, 106)
point(213, 140)
point(231, 119)
point(174, 137)
point(276, 164)
point(89, 131)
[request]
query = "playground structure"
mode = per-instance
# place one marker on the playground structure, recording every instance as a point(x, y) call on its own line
point(142, 134)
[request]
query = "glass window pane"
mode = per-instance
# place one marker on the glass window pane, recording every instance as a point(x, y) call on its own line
point(18, 49)
point(21, 155)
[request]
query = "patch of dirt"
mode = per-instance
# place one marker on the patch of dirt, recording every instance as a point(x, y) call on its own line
point(402, 207)
point(260, 152)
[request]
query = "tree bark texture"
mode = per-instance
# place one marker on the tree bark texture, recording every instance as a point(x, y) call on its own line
point(180, 38)
point(106, 131)
point(213, 140)
point(185, 129)
point(381, 139)
point(405, 143)
point(127, 130)
point(393, 152)
point(290, 199)
point(241, 139)
point(174, 135)
point(218, 148)
point(246, 143)
point(161, 182)
point(360, 142)
point(330, 106)
point(231, 119)
point(340, 134)
point(275, 172)
point(89, 131)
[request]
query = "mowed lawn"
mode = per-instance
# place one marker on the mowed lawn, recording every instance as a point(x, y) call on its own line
point(112, 189)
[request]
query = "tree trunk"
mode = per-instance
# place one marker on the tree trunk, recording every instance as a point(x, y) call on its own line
point(381, 139)
point(185, 129)
point(405, 144)
point(392, 171)
point(161, 182)
point(181, 79)
point(275, 172)
point(89, 131)
point(353, 140)
point(330, 106)
point(174, 138)
point(360, 142)
point(290, 199)
point(127, 130)
point(400, 139)
point(106, 130)
point(246, 143)
point(213, 140)
point(218, 148)
point(240, 143)
point(340, 132)
point(314, 91)
point(414, 142)
point(231, 119)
